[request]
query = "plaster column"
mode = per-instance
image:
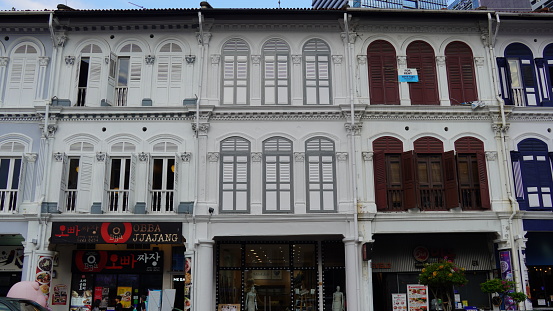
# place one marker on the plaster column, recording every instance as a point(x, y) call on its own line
point(443, 87)
point(204, 277)
point(405, 99)
point(353, 273)
point(3, 66)
point(362, 82)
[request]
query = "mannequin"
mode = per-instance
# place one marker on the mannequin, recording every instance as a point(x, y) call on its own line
point(251, 300)
point(338, 300)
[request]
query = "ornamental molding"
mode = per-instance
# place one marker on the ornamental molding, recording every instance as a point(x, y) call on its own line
point(361, 59)
point(215, 59)
point(296, 59)
point(256, 156)
point(337, 59)
point(30, 157)
point(4, 61)
point(213, 156)
point(278, 115)
point(61, 39)
point(256, 59)
point(403, 28)
point(354, 129)
point(440, 61)
point(479, 61)
point(352, 37)
point(367, 155)
point(299, 156)
point(185, 156)
point(43, 60)
point(190, 59)
point(201, 129)
point(58, 156)
point(70, 60)
point(402, 60)
point(143, 156)
point(52, 128)
point(100, 156)
point(205, 39)
point(491, 155)
point(316, 27)
point(149, 59)
point(78, 114)
point(341, 156)
point(460, 113)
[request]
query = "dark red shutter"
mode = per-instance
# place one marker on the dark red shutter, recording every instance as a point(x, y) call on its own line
point(383, 82)
point(388, 144)
point(468, 145)
point(409, 179)
point(450, 176)
point(460, 73)
point(421, 56)
point(380, 182)
point(428, 144)
point(483, 179)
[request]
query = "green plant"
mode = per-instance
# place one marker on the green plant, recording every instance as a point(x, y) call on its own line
point(503, 289)
point(440, 277)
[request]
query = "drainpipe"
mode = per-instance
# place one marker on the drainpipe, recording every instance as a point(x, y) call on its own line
point(353, 151)
point(504, 151)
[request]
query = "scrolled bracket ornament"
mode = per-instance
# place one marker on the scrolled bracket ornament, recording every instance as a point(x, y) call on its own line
point(186, 156)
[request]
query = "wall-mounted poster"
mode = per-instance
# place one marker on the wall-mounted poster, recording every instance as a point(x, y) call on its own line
point(125, 293)
point(229, 307)
point(417, 297)
point(399, 302)
point(59, 296)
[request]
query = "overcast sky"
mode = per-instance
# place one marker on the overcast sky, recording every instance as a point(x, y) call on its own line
point(150, 4)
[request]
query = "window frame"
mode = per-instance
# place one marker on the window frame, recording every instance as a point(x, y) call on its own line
point(234, 152)
point(319, 155)
point(283, 148)
point(461, 74)
point(236, 55)
point(382, 64)
point(314, 52)
point(420, 55)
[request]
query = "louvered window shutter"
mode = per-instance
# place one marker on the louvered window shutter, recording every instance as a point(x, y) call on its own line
point(85, 184)
point(320, 175)
point(277, 154)
point(317, 73)
point(276, 77)
point(235, 167)
point(132, 182)
point(483, 179)
point(409, 179)
point(382, 65)
point(107, 187)
point(381, 193)
point(450, 175)
point(460, 73)
point(421, 56)
point(517, 175)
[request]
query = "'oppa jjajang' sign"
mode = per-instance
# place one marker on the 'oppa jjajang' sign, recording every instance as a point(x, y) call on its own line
point(117, 261)
point(117, 233)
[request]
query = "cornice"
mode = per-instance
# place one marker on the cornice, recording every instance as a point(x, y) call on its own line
point(426, 113)
point(531, 114)
point(275, 114)
point(417, 28)
point(318, 26)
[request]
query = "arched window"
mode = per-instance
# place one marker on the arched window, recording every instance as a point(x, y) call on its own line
point(387, 173)
point(235, 175)
point(321, 175)
point(316, 66)
point(169, 75)
point(518, 77)
point(420, 56)
point(129, 74)
point(532, 174)
point(236, 54)
point(460, 73)
point(277, 169)
point(471, 174)
point(383, 82)
point(276, 72)
point(89, 76)
point(22, 85)
point(548, 65)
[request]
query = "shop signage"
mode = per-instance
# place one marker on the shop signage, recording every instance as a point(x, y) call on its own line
point(417, 297)
point(423, 254)
point(399, 302)
point(381, 265)
point(408, 75)
point(11, 258)
point(117, 233)
point(95, 261)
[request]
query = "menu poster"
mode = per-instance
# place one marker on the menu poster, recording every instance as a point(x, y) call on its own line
point(417, 297)
point(43, 274)
point(399, 302)
point(60, 295)
point(125, 293)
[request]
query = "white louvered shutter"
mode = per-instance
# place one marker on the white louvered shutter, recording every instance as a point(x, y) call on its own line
point(62, 205)
point(84, 195)
point(107, 186)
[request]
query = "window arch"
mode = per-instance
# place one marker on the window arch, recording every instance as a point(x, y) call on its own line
point(278, 172)
point(460, 73)
point(316, 66)
point(420, 55)
point(89, 75)
point(276, 72)
point(22, 80)
point(383, 83)
point(320, 172)
point(169, 75)
point(235, 175)
point(518, 75)
point(532, 174)
point(236, 54)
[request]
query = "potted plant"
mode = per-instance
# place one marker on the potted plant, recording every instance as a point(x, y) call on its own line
point(503, 289)
point(440, 277)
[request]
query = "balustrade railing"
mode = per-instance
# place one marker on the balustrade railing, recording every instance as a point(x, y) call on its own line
point(121, 96)
point(518, 97)
point(81, 96)
point(162, 201)
point(432, 199)
point(70, 200)
point(8, 201)
point(118, 201)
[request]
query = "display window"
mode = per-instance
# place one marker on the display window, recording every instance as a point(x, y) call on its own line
point(277, 276)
